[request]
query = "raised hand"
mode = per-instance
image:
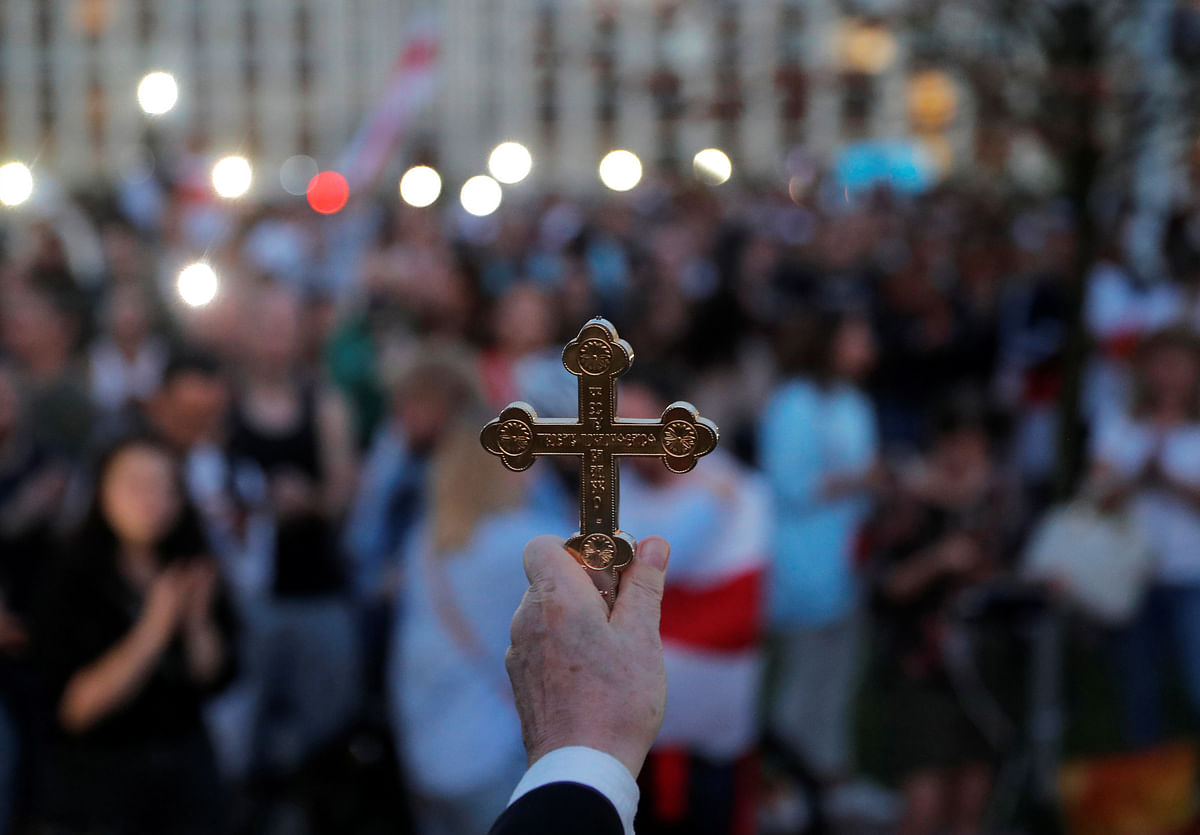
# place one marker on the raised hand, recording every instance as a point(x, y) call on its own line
point(579, 675)
point(165, 602)
point(200, 583)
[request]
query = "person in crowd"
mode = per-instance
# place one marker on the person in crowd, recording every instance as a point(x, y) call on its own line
point(961, 285)
point(298, 435)
point(1148, 457)
point(125, 363)
point(133, 636)
point(929, 341)
point(819, 451)
point(40, 329)
point(460, 740)
point(32, 482)
point(701, 773)
point(1032, 341)
point(522, 327)
point(190, 412)
point(585, 739)
point(944, 531)
point(427, 401)
point(1120, 308)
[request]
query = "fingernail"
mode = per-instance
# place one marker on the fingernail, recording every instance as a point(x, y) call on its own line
point(655, 552)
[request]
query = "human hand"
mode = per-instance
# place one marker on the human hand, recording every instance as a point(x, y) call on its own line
point(13, 636)
point(200, 584)
point(165, 603)
point(579, 675)
point(293, 494)
point(959, 554)
point(1152, 473)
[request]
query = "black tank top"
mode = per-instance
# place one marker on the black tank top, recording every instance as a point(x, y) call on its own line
point(306, 559)
point(276, 452)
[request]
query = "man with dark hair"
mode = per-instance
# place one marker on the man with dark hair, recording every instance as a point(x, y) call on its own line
point(190, 405)
point(190, 411)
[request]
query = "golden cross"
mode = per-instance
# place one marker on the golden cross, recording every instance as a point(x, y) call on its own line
point(597, 357)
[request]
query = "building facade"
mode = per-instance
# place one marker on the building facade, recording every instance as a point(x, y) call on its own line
point(571, 79)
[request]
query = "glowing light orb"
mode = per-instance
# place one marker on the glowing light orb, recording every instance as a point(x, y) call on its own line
point(420, 186)
point(16, 183)
point(620, 170)
point(510, 162)
point(932, 100)
point(157, 93)
point(328, 192)
point(197, 284)
point(712, 166)
point(296, 173)
point(481, 195)
point(231, 177)
point(866, 47)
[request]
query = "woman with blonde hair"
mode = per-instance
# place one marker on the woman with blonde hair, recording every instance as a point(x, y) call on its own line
point(451, 704)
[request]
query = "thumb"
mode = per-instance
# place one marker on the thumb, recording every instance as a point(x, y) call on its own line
point(542, 558)
point(639, 598)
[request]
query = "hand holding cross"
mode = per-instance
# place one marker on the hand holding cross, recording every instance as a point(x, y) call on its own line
point(597, 356)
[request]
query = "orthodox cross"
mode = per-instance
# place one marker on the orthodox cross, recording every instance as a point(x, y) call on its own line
point(597, 356)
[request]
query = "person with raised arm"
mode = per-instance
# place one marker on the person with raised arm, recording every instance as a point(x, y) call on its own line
point(590, 689)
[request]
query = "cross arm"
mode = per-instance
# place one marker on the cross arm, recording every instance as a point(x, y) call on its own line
point(679, 437)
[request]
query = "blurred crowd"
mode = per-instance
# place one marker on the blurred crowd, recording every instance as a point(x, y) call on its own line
point(256, 572)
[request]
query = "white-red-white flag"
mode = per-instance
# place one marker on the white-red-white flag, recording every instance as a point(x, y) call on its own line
point(409, 88)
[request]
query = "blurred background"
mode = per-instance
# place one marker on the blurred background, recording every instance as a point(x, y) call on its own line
point(267, 266)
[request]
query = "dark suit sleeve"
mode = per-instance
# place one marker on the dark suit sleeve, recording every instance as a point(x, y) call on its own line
point(560, 809)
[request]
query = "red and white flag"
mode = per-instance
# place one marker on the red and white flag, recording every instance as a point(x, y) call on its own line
point(409, 88)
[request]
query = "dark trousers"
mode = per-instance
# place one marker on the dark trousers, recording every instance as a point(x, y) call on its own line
point(1166, 631)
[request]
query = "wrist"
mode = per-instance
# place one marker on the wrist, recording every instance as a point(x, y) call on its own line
point(198, 625)
point(151, 632)
point(588, 767)
point(632, 756)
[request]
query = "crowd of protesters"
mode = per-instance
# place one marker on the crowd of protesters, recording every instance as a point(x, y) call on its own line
point(256, 572)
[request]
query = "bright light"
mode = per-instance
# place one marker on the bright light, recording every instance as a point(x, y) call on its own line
point(481, 195)
point(420, 186)
point(197, 284)
point(510, 162)
point(932, 100)
point(296, 173)
point(620, 170)
point(157, 93)
point(231, 177)
point(866, 47)
point(712, 166)
point(328, 192)
point(16, 183)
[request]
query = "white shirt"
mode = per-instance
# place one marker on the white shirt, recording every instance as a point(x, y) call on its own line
point(1169, 522)
point(589, 767)
point(117, 380)
point(1116, 306)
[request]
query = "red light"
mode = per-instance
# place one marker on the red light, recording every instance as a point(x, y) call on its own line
point(328, 192)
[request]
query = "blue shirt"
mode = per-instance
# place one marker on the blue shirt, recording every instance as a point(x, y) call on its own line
point(809, 433)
